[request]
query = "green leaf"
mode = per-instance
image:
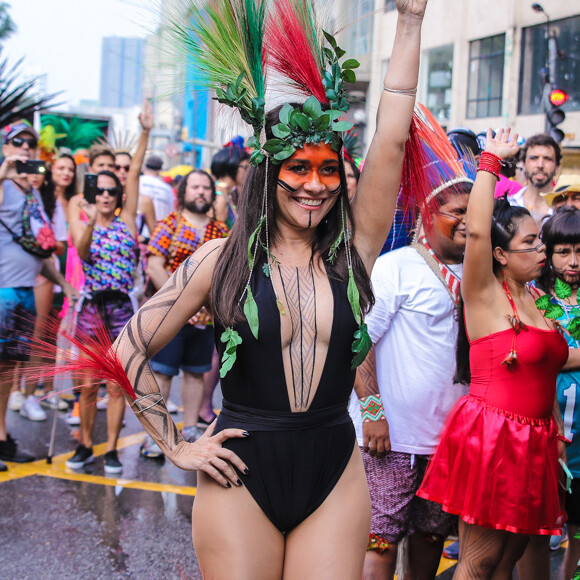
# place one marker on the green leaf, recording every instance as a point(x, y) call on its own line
point(331, 94)
point(342, 126)
point(253, 143)
point(266, 270)
point(274, 146)
point(232, 340)
point(348, 76)
point(285, 113)
point(554, 311)
point(322, 123)
point(334, 248)
point(353, 296)
point(251, 242)
point(562, 290)
point(334, 114)
point(350, 63)
point(281, 131)
point(361, 346)
point(312, 107)
point(339, 52)
point(251, 313)
point(543, 302)
point(575, 312)
point(329, 39)
point(256, 158)
point(328, 53)
point(303, 121)
point(288, 151)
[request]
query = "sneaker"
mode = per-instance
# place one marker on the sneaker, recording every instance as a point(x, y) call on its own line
point(103, 403)
point(3, 466)
point(451, 552)
point(112, 463)
point(74, 418)
point(171, 406)
point(82, 456)
point(192, 434)
point(31, 409)
point(16, 400)
point(150, 449)
point(9, 452)
point(54, 402)
point(557, 541)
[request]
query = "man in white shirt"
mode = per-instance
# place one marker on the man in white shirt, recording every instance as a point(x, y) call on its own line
point(407, 393)
point(152, 185)
point(541, 156)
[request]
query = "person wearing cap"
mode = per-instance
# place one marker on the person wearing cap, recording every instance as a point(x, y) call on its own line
point(152, 185)
point(465, 139)
point(541, 156)
point(566, 192)
point(18, 272)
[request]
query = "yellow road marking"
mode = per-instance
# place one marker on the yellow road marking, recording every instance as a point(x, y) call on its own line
point(58, 470)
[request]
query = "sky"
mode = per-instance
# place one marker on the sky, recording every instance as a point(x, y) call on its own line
point(62, 39)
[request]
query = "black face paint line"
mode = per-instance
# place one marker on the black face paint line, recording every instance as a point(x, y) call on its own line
point(309, 219)
point(285, 186)
point(335, 191)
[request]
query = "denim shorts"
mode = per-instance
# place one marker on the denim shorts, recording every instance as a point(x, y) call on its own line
point(191, 351)
point(17, 312)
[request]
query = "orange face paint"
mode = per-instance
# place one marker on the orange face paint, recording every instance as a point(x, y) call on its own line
point(311, 162)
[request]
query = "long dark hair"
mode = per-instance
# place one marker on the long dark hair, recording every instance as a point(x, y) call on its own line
point(47, 189)
point(232, 269)
point(562, 228)
point(504, 226)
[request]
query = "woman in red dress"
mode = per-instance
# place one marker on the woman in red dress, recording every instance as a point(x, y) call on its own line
point(497, 463)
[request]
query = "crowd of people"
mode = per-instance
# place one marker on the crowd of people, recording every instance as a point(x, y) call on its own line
point(258, 271)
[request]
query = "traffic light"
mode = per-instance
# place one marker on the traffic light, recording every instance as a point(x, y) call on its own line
point(553, 100)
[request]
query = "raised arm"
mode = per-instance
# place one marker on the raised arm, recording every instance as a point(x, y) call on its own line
point(478, 277)
point(154, 325)
point(129, 213)
point(374, 204)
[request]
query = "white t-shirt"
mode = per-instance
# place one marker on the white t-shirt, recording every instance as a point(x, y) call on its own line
point(161, 194)
point(414, 330)
point(518, 199)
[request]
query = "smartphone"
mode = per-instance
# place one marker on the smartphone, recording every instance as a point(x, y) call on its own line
point(90, 188)
point(32, 166)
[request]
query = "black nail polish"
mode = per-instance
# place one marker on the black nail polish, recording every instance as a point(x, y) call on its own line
point(228, 484)
point(245, 434)
point(246, 471)
point(239, 482)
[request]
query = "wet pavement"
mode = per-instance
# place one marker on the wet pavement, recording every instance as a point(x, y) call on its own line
point(56, 523)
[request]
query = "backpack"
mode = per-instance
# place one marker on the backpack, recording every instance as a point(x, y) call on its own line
point(37, 236)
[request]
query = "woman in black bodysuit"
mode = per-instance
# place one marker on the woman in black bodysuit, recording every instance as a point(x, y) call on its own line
point(281, 485)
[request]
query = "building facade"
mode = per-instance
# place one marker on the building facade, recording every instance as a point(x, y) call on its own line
point(481, 63)
point(122, 65)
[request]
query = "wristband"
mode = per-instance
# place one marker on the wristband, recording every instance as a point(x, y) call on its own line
point(371, 408)
point(562, 438)
point(490, 163)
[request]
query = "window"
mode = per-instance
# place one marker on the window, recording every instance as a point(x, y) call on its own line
point(486, 63)
point(437, 87)
point(534, 53)
point(361, 30)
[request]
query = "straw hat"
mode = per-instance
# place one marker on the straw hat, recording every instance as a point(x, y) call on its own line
point(566, 185)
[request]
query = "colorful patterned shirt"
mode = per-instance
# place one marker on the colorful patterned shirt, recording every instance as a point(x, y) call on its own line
point(175, 239)
point(113, 258)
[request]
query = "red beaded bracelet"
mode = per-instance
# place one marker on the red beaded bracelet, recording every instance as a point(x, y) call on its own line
point(562, 438)
point(490, 163)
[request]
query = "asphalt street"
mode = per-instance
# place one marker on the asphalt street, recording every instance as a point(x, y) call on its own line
point(56, 523)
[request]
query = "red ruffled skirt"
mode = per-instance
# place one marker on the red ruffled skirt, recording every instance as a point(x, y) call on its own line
point(498, 470)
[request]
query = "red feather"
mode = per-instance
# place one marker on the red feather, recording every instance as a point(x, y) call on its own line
point(291, 52)
point(81, 355)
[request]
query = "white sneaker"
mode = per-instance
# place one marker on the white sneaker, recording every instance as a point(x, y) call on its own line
point(54, 402)
point(103, 403)
point(31, 409)
point(73, 418)
point(171, 406)
point(16, 400)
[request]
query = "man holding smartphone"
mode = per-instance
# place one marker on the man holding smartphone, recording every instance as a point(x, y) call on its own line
point(18, 271)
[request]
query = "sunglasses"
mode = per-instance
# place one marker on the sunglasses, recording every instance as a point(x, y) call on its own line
point(112, 191)
point(119, 167)
point(19, 142)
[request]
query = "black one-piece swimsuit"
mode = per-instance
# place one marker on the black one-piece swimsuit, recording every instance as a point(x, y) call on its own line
point(294, 458)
